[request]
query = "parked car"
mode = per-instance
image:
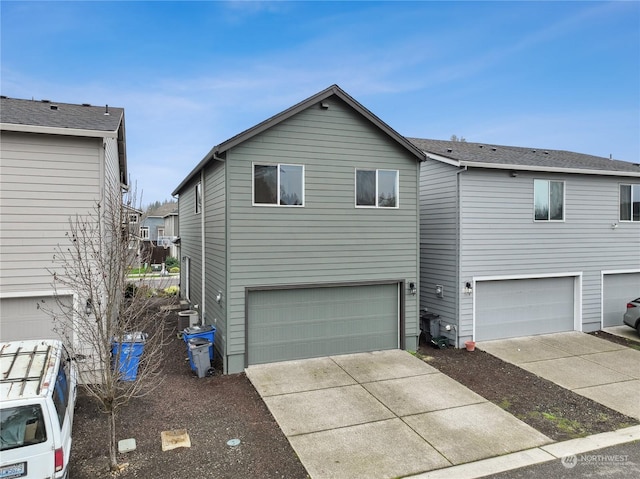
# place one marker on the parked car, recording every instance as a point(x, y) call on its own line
point(38, 382)
point(632, 316)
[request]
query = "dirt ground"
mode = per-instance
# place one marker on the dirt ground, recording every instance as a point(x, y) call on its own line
point(219, 408)
point(554, 411)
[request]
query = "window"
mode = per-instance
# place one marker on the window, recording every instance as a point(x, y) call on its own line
point(144, 232)
point(630, 202)
point(133, 218)
point(280, 185)
point(61, 395)
point(548, 200)
point(21, 426)
point(198, 197)
point(160, 232)
point(377, 188)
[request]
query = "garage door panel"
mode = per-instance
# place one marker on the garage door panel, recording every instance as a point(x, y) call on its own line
point(512, 308)
point(618, 290)
point(313, 322)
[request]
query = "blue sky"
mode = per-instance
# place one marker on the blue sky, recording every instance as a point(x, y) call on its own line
point(557, 75)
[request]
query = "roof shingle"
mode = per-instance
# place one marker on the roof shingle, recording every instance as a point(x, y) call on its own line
point(59, 115)
point(495, 155)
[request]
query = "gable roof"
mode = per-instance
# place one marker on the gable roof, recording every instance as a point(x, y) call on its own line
point(333, 90)
point(65, 116)
point(484, 155)
point(47, 117)
point(164, 210)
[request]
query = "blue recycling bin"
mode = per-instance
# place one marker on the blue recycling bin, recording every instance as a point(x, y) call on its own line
point(127, 355)
point(206, 332)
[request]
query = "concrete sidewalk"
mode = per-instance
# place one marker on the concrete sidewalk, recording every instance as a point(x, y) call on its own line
point(384, 414)
point(603, 371)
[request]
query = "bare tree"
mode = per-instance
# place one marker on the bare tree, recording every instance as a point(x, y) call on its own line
point(461, 139)
point(99, 325)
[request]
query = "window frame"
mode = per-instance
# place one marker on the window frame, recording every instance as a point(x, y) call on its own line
point(377, 171)
point(564, 202)
point(144, 232)
point(278, 170)
point(632, 186)
point(198, 197)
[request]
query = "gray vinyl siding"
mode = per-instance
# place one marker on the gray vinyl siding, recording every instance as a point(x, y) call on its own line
point(191, 242)
point(45, 180)
point(438, 240)
point(327, 240)
point(500, 237)
point(215, 245)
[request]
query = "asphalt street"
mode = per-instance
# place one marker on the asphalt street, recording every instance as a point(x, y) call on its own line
point(619, 462)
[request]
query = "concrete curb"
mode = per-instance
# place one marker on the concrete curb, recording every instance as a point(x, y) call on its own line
point(533, 456)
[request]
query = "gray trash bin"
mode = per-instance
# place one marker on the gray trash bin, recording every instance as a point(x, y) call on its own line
point(199, 354)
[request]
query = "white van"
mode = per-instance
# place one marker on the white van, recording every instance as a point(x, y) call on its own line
point(37, 396)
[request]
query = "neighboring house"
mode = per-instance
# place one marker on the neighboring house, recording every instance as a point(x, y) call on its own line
point(523, 241)
point(299, 236)
point(158, 243)
point(57, 160)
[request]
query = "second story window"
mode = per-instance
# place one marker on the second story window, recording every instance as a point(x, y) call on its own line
point(548, 200)
point(630, 202)
point(377, 188)
point(198, 198)
point(278, 185)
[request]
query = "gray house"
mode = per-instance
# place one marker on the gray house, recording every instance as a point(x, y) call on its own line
point(521, 241)
point(299, 236)
point(56, 161)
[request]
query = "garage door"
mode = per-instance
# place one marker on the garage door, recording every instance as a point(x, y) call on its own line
point(313, 322)
point(522, 307)
point(20, 318)
point(618, 290)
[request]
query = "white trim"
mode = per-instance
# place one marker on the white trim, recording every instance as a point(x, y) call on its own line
point(602, 275)
point(58, 131)
point(564, 200)
point(34, 294)
point(277, 165)
point(577, 293)
point(620, 185)
point(548, 169)
point(376, 170)
point(443, 159)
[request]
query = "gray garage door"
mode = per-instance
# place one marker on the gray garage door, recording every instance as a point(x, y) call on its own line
point(618, 290)
point(314, 322)
point(20, 318)
point(522, 307)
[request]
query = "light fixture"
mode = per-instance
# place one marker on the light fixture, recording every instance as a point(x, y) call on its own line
point(88, 307)
point(439, 291)
point(467, 288)
point(219, 297)
point(412, 288)
point(614, 226)
point(513, 174)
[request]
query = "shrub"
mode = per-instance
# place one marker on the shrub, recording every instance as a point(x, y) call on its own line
point(175, 269)
point(171, 262)
point(171, 291)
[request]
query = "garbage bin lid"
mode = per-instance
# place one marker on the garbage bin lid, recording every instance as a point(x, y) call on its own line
point(199, 329)
point(198, 341)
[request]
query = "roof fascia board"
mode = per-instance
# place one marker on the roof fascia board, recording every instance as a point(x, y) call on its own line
point(548, 169)
point(49, 130)
point(443, 159)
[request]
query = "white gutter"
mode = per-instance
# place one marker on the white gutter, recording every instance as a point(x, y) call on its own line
point(550, 169)
point(50, 130)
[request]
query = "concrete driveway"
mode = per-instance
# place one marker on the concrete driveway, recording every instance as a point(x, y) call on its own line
point(382, 415)
point(606, 372)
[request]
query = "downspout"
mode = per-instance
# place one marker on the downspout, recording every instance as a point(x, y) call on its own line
point(203, 306)
point(457, 309)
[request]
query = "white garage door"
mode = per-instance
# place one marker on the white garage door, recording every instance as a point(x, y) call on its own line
point(313, 322)
point(618, 290)
point(523, 307)
point(21, 318)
